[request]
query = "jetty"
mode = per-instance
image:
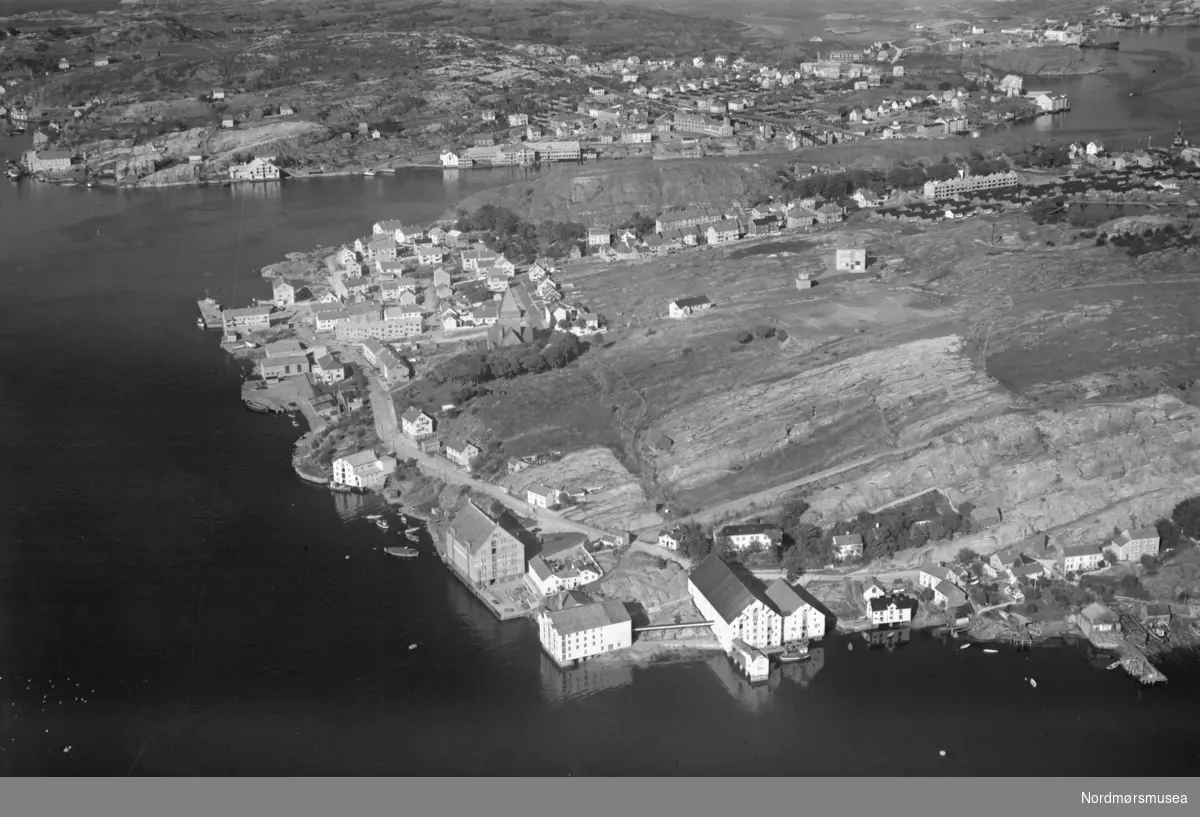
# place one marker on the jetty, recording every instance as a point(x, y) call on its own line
point(210, 313)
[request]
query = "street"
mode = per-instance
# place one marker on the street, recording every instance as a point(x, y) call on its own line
point(387, 426)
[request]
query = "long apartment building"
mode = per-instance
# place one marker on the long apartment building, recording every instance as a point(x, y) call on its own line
point(970, 184)
point(701, 123)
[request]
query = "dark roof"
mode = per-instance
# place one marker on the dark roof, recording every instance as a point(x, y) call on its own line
point(901, 602)
point(722, 587)
point(557, 542)
point(697, 300)
point(743, 530)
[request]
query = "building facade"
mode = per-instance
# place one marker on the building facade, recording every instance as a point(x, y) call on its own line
point(480, 550)
point(584, 631)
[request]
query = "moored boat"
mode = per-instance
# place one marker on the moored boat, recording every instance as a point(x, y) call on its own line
point(402, 552)
point(1113, 665)
point(793, 653)
point(382, 524)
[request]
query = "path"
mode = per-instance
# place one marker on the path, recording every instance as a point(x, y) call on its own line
point(770, 494)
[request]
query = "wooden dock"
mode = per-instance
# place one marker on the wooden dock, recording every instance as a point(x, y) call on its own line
point(210, 313)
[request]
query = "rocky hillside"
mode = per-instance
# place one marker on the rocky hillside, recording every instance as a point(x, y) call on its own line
point(1078, 473)
point(601, 194)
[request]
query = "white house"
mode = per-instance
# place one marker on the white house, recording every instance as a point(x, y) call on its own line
point(933, 575)
point(779, 615)
point(1078, 558)
point(258, 169)
point(847, 547)
point(948, 595)
point(284, 294)
point(891, 610)
point(461, 451)
point(683, 307)
point(540, 496)
point(851, 255)
point(669, 539)
point(362, 470)
point(872, 589)
point(565, 569)
point(450, 159)
point(416, 424)
point(744, 536)
point(579, 632)
point(1131, 546)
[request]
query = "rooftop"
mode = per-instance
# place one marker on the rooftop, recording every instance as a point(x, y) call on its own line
point(588, 617)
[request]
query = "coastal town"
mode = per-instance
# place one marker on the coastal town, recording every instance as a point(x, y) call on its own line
point(386, 344)
point(378, 343)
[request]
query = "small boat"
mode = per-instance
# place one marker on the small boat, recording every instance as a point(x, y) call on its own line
point(964, 646)
point(1033, 683)
point(849, 646)
point(1113, 665)
point(200, 322)
point(410, 531)
point(793, 653)
point(412, 646)
point(991, 652)
point(295, 424)
point(373, 516)
point(382, 524)
point(403, 553)
point(368, 172)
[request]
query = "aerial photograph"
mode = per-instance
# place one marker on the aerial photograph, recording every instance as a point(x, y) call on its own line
point(633, 389)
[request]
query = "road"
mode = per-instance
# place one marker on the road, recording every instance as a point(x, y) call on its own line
point(388, 428)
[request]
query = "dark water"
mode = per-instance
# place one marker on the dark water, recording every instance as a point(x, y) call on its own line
point(1160, 67)
point(160, 562)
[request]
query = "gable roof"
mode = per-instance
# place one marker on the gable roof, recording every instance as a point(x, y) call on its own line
point(901, 603)
point(784, 598)
point(849, 539)
point(413, 414)
point(471, 527)
point(697, 300)
point(588, 617)
point(722, 587)
point(558, 542)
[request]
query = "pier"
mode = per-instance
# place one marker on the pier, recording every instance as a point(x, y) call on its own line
point(210, 313)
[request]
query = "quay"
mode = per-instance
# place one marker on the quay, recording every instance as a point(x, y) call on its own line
point(210, 313)
point(501, 612)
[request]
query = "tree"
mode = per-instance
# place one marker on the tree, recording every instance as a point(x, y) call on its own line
point(1150, 564)
point(1186, 515)
point(693, 543)
point(790, 513)
point(1110, 556)
point(744, 337)
point(965, 556)
point(1168, 534)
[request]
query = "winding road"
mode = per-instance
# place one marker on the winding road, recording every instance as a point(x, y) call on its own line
point(387, 425)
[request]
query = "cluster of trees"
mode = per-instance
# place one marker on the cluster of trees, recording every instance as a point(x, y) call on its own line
point(641, 224)
point(1043, 156)
point(1151, 240)
point(1186, 519)
point(694, 541)
point(807, 546)
point(518, 240)
point(474, 368)
point(1128, 585)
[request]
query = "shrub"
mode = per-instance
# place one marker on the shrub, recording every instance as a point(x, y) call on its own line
point(744, 337)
